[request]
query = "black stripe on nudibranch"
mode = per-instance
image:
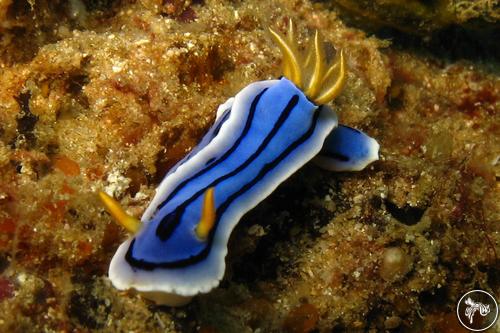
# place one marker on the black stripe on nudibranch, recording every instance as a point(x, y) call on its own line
point(210, 160)
point(146, 265)
point(225, 116)
point(164, 231)
point(167, 226)
point(248, 123)
point(218, 124)
point(352, 129)
point(336, 156)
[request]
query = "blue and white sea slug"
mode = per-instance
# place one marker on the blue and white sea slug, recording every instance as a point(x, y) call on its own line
point(260, 137)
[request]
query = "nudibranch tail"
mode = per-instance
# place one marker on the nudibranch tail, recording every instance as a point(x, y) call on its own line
point(121, 217)
point(309, 70)
point(207, 219)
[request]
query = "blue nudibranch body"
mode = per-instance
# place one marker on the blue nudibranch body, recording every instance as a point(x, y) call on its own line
point(260, 137)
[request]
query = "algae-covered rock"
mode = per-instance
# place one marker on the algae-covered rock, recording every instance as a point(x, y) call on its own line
point(100, 94)
point(454, 29)
point(417, 16)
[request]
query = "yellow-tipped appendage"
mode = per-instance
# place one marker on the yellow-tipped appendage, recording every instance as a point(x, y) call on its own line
point(291, 67)
point(309, 70)
point(207, 219)
point(113, 207)
point(319, 62)
point(334, 89)
point(287, 67)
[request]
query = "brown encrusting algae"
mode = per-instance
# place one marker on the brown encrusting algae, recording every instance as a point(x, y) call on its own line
point(103, 94)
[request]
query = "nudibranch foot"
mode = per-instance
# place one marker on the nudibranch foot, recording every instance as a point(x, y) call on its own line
point(172, 287)
point(347, 149)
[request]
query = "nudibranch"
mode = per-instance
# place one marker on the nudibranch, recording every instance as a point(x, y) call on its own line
point(260, 137)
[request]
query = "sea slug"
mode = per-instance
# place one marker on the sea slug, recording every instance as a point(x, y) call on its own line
point(260, 137)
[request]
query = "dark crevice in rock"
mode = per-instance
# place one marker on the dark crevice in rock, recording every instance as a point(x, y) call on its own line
point(453, 42)
point(26, 120)
point(90, 311)
point(407, 215)
point(441, 35)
